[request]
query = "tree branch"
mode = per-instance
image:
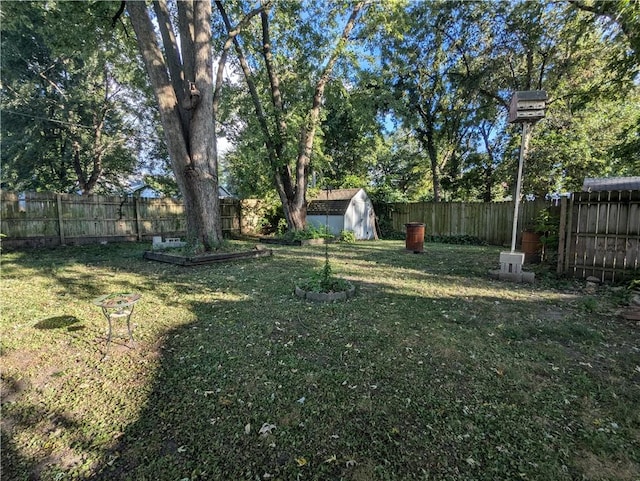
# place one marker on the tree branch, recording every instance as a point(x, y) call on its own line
point(170, 46)
point(232, 33)
point(116, 17)
point(246, 70)
point(308, 132)
point(164, 92)
point(276, 95)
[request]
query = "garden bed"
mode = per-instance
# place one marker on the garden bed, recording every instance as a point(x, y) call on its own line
point(201, 259)
point(302, 242)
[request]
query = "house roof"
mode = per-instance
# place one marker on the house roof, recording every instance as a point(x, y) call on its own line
point(595, 184)
point(331, 202)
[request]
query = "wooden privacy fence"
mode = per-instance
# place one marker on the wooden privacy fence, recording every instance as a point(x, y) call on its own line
point(599, 232)
point(600, 235)
point(490, 221)
point(48, 219)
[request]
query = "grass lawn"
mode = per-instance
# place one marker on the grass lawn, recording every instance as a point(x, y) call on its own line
point(433, 371)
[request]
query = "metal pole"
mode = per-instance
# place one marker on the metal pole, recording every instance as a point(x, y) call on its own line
point(526, 127)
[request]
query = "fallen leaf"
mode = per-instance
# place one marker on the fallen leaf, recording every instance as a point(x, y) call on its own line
point(331, 459)
point(301, 462)
point(266, 429)
point(247, 428)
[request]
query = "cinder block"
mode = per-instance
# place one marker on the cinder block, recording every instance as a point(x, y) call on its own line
point(511, 262)
point(528, 277)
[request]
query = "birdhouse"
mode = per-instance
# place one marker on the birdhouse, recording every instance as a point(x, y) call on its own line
point(527, 106)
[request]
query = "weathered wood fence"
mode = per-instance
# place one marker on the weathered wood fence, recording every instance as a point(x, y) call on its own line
point(490, 221)
point(599, 232)
point(601, 235)
point(46, 219)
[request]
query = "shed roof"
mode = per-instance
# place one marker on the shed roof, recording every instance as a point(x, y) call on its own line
point(595, 184)
point(331, 202)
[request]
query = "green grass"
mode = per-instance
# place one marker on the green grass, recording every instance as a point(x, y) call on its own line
point(433, 370)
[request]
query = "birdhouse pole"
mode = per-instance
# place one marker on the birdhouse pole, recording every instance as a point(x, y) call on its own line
point(526, 130)
point(526, 108)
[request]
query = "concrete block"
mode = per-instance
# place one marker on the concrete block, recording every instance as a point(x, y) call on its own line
point(169, 242)
point(528, 277)
point(511, 268)
point(511, 262)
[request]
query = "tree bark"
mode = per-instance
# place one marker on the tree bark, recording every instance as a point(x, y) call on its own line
point(426, 136)
point(191, 144)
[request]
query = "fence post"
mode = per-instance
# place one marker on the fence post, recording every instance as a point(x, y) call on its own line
point(60, 220)
point(569, 232)
point(562, 231)
point(136, 209)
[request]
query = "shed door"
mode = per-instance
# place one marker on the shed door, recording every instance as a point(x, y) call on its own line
point(361, 225)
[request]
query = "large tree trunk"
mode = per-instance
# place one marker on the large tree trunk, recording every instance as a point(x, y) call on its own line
point(290, 184)
point(426, 137)
point(187, 118)
point(298, 203)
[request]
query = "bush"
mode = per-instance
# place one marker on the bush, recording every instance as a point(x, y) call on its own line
point(273, 221)
point(309, 232)
point(325, 281)
point(348, 237)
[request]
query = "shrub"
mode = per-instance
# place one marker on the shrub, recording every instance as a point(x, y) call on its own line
point(347, 236)
point(325, 281)
point(309, 232)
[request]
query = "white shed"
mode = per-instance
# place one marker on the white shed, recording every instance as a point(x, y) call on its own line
point(344, 209)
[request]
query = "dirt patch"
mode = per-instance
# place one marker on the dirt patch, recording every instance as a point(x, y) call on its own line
point(597, 469)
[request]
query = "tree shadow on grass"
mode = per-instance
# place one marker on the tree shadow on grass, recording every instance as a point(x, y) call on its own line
point(353, 389)
point(59, 322)
point(419, 400)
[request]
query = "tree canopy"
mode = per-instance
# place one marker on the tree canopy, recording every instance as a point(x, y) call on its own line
point(74, 108)
point(408, 99)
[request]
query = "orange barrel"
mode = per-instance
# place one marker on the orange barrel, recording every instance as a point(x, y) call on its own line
point(531, 246)
point(415, 236)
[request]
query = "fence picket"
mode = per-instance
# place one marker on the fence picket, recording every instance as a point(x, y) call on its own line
point(48, 219)
point(599, 236)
